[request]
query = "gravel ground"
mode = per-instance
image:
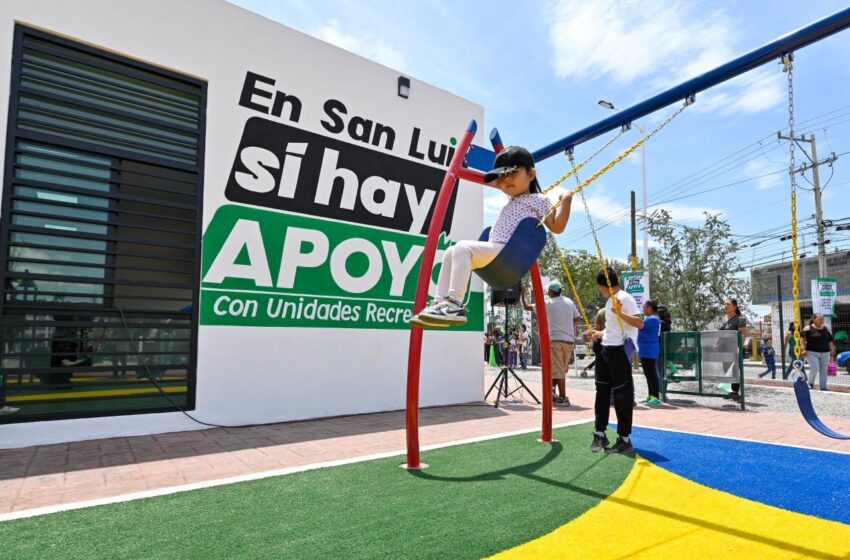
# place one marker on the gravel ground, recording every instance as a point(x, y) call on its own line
point(758, 397)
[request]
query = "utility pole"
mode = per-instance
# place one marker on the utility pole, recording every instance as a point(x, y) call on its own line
point(645, 223)
point(814, 165)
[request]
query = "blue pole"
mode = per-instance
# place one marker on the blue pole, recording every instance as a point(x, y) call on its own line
point(803, 37)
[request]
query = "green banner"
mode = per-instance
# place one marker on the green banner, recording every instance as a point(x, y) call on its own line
point(635, 284)
point(269, 269)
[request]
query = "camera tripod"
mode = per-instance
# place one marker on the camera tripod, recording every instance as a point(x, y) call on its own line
point(505, 374)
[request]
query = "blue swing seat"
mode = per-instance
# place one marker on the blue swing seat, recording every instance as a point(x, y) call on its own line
point(516, 258)
point(804, 401)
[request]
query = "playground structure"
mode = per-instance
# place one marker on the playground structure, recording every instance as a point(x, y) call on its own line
point(780, 49)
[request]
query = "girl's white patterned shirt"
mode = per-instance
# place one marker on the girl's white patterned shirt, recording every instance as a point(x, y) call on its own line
point(530, 205)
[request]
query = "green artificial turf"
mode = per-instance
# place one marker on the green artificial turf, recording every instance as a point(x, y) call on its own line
point(473, 501)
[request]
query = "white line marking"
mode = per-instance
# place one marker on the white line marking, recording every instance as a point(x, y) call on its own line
point(259, 476)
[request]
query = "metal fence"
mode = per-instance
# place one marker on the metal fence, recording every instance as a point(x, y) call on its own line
point(702, 363)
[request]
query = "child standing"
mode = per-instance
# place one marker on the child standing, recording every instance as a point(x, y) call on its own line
point(613, 364)
point(769, 358)
point(523, 347)
point(514, 174)
point(513, 351)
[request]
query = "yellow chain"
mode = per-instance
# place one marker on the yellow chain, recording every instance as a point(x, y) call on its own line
point(614, 303)
point(572, 284)
point(788, 68)
point(609, 165)
point(795, 277)
point(576, 168)
point(561, 257)
point(579, 189)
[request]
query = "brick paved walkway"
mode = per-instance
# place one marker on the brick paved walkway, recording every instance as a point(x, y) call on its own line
point(65, 473)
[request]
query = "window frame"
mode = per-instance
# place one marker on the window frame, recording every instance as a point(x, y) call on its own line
point(134, 69)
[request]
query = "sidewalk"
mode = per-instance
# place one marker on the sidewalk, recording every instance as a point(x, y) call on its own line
point(65, 473)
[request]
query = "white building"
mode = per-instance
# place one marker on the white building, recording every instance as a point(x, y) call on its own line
point(216, 201)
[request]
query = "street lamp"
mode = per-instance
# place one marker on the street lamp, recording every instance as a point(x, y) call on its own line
point(608, 105)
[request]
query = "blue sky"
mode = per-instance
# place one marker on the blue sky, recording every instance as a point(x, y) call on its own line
point(540, 70)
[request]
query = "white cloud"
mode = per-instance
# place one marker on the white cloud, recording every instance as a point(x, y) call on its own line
point(656, 44)
point(759, 167)
point(753, 92)
point(627, 39)
point(603, 209)
point(365, 45)
point(686, 213)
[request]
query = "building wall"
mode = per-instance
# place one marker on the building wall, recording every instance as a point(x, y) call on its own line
point(251, 369)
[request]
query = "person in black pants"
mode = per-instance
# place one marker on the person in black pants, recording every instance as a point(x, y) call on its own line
point(613, 365)
point(648, 337)
point(666, 326)
point(734, 322)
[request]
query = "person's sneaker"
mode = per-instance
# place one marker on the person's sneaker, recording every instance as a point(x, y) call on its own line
point(600, 443)
point(652, 401)
point(447, 311)
point(622, 446)
point(8, 409)
point(423, 323)
point(563, 401)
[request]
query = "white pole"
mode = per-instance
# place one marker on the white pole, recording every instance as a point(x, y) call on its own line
point(645, 234)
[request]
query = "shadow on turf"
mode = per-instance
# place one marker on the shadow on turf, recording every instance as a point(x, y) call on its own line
point(527, 470)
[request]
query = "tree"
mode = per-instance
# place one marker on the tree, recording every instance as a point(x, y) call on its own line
point(694, 269)
point(583, 267)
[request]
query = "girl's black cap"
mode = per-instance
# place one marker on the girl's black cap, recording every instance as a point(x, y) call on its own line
point(507, 160)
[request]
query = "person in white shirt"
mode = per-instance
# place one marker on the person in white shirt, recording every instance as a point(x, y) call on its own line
point(613, 366)
point(563, 316)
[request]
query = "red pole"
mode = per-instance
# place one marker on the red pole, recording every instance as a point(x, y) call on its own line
point(471, 175)
point(545, 355)
point(414, 353)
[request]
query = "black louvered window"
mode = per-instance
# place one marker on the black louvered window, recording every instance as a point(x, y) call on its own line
point(100, 233)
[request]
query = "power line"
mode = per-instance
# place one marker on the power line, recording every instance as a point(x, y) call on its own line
point(717, 168)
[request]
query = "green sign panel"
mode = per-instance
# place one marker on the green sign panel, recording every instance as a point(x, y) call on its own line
point(269, 269)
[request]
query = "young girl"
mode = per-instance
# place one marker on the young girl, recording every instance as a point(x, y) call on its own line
point(523, 344)
point(513, 351)
point(514, 174)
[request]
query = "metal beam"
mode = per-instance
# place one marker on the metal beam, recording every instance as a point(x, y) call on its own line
point(803, 37)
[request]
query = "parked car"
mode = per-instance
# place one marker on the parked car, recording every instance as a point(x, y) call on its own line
point(748, 346)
